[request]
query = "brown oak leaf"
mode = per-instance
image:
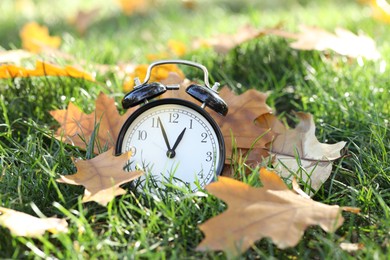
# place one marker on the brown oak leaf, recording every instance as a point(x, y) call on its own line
point(77, 128)
point(343, 41)
point(239, 123)
point(271, 211)
point(101, 176)
point(83, 19)
point(298, 153)
point(22, 224)
point(223, 43)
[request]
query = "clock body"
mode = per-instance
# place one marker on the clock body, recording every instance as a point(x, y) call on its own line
point(175, 141)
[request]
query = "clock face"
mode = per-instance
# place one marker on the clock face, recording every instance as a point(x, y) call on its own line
point(173, 140)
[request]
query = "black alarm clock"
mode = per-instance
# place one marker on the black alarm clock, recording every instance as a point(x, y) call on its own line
point(174, 139)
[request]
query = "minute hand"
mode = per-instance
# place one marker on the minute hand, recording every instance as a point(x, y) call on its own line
point(164, 134)
point(179, 139)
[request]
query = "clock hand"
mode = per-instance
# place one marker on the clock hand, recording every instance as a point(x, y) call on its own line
point(171, 152)
point(164, 134)
point(179, 139)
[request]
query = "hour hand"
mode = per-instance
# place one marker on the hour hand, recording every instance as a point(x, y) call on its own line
point(179, 139)
point(164, 134)
point(171, 153)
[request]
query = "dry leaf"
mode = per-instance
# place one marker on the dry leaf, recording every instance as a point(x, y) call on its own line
point(22, 224)
point(290, 144)
point(190, 4)
point(380, 9)
point(41, 69)
point(131, 6)
point(225, 42)
point(160, 74)
point(174, 49)
point(14, 56)
point(34, 37)
point(83, 19)
point(178, 48)
point(101, 176)
point(239, 122)
point(343, 42)
point(351, 247)
point(271, 211)
point(77, 128)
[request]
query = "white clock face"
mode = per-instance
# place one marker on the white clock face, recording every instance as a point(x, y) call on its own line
point(174, 140)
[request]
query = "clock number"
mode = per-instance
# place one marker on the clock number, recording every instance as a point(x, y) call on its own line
point(190, 123)
point(142, 135)
point(209, 156)
point(173, 118)
point(133, 150)
point(204, 136)
point(155, 123)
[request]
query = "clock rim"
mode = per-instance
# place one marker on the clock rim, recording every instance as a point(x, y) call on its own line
point(188, 104)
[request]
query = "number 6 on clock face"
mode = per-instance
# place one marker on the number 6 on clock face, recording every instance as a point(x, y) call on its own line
point(173, 137)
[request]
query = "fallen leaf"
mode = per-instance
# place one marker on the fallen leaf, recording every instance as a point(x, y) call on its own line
point(271, 211)
point(239, 123)
point(178, 48)
point(343, 42)
point(297, 189)
point(83, 19)
point(132, 6)
point(380, 10)
point(42, 69)
point(101, 176)
point(160, 74)
point(35, 36)
point(223, 43)
point(22, 224)
point(297, 149)
point(77, 128)
point(351, 247)
point(175, 49)
point(14, 56)
point(190, 4)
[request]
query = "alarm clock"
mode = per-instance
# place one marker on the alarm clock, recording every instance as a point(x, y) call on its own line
point(172, 139)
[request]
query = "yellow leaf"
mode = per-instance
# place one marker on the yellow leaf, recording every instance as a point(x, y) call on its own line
point(271, 211)
point(22, 224)
point(131, 6)
point(158, 74)
point(34, 37)
point(42, 69)
point(101, 176)
point(157, 56)
point(177, 48)
point(380, 9)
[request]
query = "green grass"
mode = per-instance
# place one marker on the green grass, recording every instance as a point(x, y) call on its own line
point(350, 102)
